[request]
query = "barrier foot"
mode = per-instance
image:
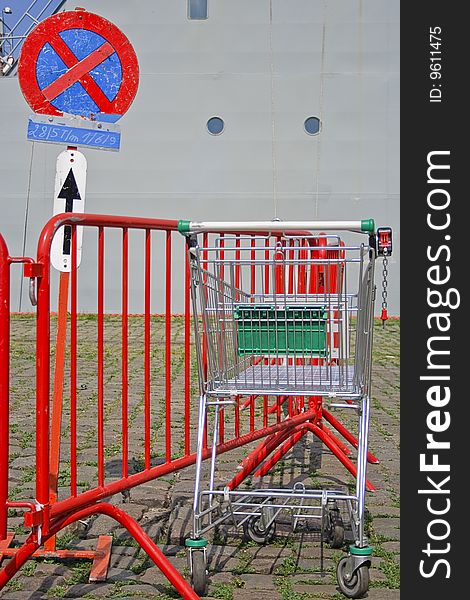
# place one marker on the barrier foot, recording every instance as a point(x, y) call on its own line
point(100, 557)
point(5, 543)
point(99, 568)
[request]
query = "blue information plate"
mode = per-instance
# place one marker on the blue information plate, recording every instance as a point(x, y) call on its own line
point(57, 130)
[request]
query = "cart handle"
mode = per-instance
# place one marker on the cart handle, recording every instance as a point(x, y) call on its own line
point(364, 226)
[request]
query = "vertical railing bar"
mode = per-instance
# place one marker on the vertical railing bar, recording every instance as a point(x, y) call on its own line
point(124, 350)
point(187, 354)
point(4, 382)
point(168, 348)
point(205, 243)
point(237, 265)
point(147, 348)
point(224, 353)
point(253, 292)
point(101, 356)
point(73, 366)
point(43, 341)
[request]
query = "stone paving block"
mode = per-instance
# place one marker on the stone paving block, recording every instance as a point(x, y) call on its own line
point(313, 564)
point(377, 575)
point(10, 595)
point(315, 591)
point(228, 551)
point(383, 594)
point(179, 562)
point(138, 589)
point(172, 549)
point(220, 577)
point(314, 551)
point(390, 511)
point(134, 510)
point(154, 494)
point(15, 474)
point(269, 552)
point(256, 594)
point(100, 590)
point(119, 561)
point(255, 581)
point(389, 528)
point(102, 525)
point(391, 546)
point(120, 575)
point(124, 550)
point(313, 578)
point(152, 576)
point(50, 569)
point(226, 563)
point(21, 583)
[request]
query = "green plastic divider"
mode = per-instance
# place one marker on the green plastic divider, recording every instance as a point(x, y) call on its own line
point(265, 329)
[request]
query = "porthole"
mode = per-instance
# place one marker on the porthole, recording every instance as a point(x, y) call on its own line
point(312, 125)
point(215, 125)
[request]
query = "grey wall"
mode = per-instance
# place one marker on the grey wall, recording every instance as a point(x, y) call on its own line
point(335, 59)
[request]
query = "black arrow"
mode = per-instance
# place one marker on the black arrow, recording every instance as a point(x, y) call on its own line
point(70, 192)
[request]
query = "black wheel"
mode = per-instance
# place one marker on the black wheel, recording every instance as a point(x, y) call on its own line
point(335, 530)
point(199, 572)
point(358, 584)
point(255, 530)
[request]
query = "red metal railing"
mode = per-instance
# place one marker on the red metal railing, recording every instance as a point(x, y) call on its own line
point(4, 382)
point(171, 443)
point(5, 262)
point(44, 517)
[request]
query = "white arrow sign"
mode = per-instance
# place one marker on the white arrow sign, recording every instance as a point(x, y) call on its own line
point(69, 196)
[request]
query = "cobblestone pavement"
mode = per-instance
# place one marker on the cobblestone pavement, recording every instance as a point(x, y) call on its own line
point(289, 568)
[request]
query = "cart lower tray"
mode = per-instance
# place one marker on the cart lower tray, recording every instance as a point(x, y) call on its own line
point(292, 380)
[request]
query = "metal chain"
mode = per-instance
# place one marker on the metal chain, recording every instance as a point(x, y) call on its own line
point(384, 285)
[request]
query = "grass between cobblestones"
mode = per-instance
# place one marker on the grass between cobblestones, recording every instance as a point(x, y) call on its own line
point(249, 571)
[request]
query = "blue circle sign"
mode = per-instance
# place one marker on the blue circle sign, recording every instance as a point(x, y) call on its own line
point(78, 63)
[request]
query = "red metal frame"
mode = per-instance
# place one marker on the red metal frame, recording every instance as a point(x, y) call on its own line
point(4, 382)
point(278, 434)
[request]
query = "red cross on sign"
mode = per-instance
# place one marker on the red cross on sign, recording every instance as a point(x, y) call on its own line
point(76, 62)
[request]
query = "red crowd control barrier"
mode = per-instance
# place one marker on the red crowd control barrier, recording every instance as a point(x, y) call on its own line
point(50, 511)
point(5, 263)
point(96, 434)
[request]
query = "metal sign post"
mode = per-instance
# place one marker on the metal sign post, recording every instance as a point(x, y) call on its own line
point(69, 196)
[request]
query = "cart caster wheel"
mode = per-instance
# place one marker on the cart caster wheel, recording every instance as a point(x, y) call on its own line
point(199, 572)
point(358, 584)
point(255, 530)
point(336, 530)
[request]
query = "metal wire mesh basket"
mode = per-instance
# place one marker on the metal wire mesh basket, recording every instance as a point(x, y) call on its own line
point(285, 315)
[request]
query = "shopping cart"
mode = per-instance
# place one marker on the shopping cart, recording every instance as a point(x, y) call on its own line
point(283, 312)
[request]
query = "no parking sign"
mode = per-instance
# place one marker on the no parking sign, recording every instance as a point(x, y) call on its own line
point(80, 73)
point(81, 64)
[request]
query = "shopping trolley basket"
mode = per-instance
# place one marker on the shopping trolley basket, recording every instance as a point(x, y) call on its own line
point(280, 311)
